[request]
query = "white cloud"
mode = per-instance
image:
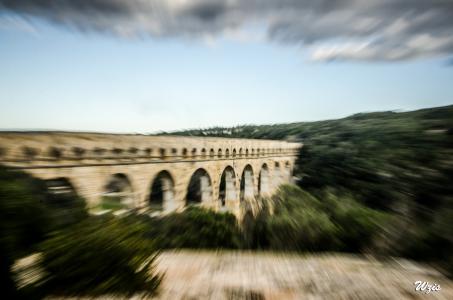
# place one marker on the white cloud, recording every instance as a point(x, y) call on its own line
point(398, 29)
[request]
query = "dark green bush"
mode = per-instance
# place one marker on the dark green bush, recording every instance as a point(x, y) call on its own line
point(302, 222)
point(195, 228)
point(27, 213)
point(359, 225)
point(298, 222)
point(100, 256)
point(302, 229)
point(23, 223)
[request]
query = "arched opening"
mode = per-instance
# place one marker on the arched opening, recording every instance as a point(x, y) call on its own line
point(55, 153)
point(203, 152)
point(247, 191)
point(200, 188)
point(162, 192)
point(227, 153)
point(117, 151)
point(148, 151)
point(132, 150)
point(227, 188)
point(118, 192)
point(211, 153)
point(60, 186)
point(277, 178)
point(219, 153)
point(288, 173)
point(194, 152)
point(240, 152)
point(99, 151)
point(79, 152)
point(246, 152)
point(162, 153)
point(234, 152)
point(263, 181)
point(184, 152)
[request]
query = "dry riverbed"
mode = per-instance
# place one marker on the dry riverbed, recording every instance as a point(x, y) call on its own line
point(247, 275)
point(268, 275)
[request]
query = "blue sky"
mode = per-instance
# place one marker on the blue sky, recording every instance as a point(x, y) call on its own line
point(57, 77)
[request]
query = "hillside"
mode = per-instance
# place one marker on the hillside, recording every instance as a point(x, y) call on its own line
point(400, 162)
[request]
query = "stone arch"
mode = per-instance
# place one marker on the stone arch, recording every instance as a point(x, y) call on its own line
point(118, 191)
point(30, 152)
point(203, 152)
point(219, 153)
point(99, 151)
point(211, 153)
point(277, 176)
point(227, 187)
point(194, 152)
point(148, 151)
point(246, 152)
point(55, 153)
point(263, 181)
point(234, 152)
point(240, 152)
point(287, 172)
point(162, 153)
point(162, 194)
point(184, 152)
point(60, 186)
point(199, 189)
point(247, 184)
point(78, 152)
point(227, 153)
point(132, 150)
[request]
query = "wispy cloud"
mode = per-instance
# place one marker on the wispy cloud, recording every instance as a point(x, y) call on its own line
point(366, 30)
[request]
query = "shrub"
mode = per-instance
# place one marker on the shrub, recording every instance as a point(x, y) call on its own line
point(302, 222)
point(359, 225)
point(195, 228)
point(31, 194)
point(100, 256)
point(303, 229)
point(23, 223)
point(298, 222)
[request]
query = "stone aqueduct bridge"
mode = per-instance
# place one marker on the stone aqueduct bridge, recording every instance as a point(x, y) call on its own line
point(153, 173)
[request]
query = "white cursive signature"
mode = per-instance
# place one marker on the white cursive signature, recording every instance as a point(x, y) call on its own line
point(426, 286)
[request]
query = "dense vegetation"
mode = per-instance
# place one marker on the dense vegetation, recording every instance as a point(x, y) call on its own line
point(81, 254)
point(195, 228)
point(101, 255)
point(301, 222)
point(400, 163)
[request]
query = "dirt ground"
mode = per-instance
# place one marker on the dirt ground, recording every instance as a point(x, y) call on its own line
point(234, 275)
point(247, 275)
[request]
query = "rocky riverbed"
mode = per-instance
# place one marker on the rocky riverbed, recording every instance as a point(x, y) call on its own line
point(232, 275)
point(252, 275)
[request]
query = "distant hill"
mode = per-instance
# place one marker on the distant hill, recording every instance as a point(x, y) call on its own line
point(439, 118)
point(401, 162)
